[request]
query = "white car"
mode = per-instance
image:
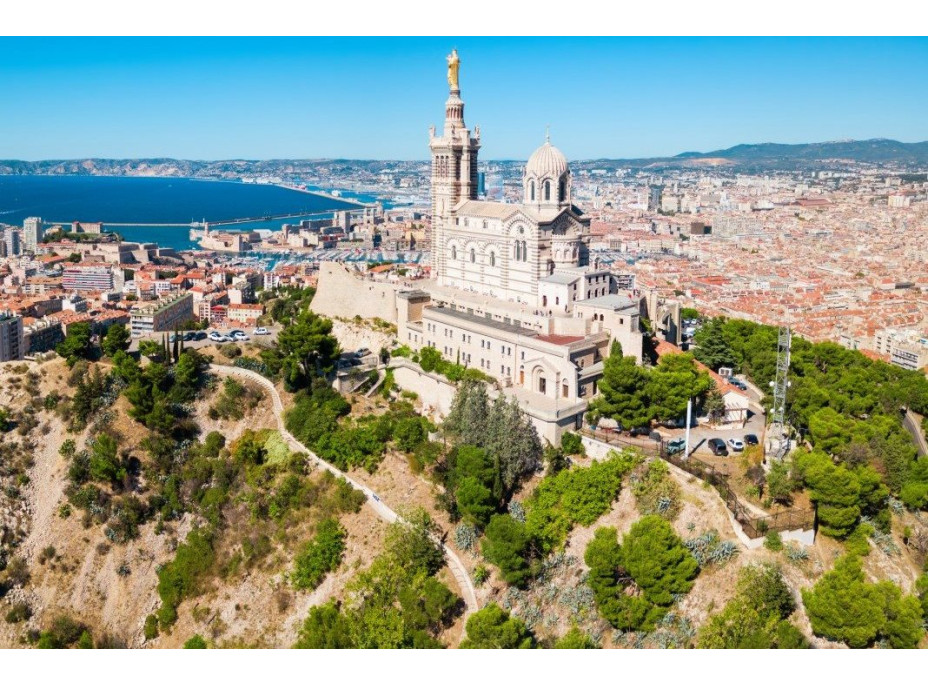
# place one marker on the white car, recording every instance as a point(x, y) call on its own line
point(736, 444)
point(261, 331)
point(241, 337)
point(217, 337)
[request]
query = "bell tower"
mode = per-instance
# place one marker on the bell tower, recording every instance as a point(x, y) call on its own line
point(454, 168)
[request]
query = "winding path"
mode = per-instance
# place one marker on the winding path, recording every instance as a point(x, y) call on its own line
point(373, 500)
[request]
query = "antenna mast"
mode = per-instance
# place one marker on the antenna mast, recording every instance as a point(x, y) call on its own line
point(778, 431)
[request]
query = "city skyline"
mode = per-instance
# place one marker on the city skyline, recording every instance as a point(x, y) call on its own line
point(372, 98)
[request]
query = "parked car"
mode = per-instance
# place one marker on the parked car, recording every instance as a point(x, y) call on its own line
point(738, 383)
point(676, 445)
point(717, 446)
point(217, 337)
point(199, 335)
point(656, 436)
point(261, 331)
point(362, 352)
point(240, 336)
point(640, 431)
point(190, 335)
point(736, 444)
point(751, 439)
point(234, 332)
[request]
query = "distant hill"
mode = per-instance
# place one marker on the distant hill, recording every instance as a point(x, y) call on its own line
point(875, 150)
point(755, 157)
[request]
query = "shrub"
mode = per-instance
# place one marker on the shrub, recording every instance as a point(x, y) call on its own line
point(320, 556)
point(572, 444)
point(492, 627)
point(655, 491)
point(844, 607)
point(574, 496)
point(151, 627)
point(195, 642)
point(506, 545)
point(773, 541)
point(183, 577)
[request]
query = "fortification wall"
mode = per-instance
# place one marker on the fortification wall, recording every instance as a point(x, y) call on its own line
point(342, 293)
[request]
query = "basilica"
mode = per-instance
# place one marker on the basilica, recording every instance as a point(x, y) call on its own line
point(512, 291)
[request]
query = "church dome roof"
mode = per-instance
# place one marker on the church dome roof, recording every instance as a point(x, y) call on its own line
point(546, 161)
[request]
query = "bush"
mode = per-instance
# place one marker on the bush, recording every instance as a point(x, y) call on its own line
point(574, 496)
point(572, 444)
point(773, 541)
point(655, 492)
point(183, 577)
point(575, 639)
point(844, 607)
point(18, 612)
point(151, 627)
point(506, 545)
point(195, 642)
point(492, 627)
point(653, 557)
point(320, 556)
point(757, 616)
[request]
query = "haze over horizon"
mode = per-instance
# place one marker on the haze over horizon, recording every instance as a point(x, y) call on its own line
point(259, 99)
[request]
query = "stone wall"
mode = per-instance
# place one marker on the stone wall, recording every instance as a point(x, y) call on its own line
point(343, 293)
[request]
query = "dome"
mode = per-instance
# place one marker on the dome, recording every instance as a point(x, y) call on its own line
point(546, 161)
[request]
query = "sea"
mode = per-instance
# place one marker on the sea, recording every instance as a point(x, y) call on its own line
point(144, 206)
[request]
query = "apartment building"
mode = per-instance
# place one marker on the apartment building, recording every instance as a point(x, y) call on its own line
point(11, 337)
point(162, 315)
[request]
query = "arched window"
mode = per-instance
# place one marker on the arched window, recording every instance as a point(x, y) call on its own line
point(547, 190)
point(473, 255)
point(562, 191)
point(454, 252)
point(518, 251)
point(492, 259)
point(524, 252)
point(531, 190)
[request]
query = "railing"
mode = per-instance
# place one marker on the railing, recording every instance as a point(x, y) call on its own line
point(753, 525)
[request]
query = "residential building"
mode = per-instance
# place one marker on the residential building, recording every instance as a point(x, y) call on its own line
point(161, 315)
point(33, 232)
point(11, 337)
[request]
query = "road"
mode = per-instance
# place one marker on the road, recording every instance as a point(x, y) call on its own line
point(373, 500)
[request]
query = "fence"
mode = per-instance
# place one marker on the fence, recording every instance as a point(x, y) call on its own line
point(753, 525)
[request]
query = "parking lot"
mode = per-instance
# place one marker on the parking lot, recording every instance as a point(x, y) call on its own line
point(267, 340)
point(700, 435)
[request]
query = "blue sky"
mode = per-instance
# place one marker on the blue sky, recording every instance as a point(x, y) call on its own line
point(219, 98)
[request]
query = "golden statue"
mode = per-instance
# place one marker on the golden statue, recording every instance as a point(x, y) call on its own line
point(454, 64)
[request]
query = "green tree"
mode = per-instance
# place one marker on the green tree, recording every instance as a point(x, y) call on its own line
point(714, 405)
point(757, 616)
point(76, 345)
point(712, 349)
point(657, 560)
point(623, 390)
point(609, 580)
point(116, 339)
point(151, 349)
point(104, 462)
point(779, 482)
point(475, 501)
point(836, 492)
point(325, 628)
point(506, 545)
point(672, 383)
point(842, 606)
point(307, 346)
point(492, 627)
